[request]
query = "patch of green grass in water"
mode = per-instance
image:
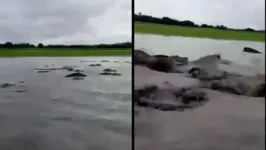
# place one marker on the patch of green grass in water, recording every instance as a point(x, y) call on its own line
point(198, 32)
point(60, 52)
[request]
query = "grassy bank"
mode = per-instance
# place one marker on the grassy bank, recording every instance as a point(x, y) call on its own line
point(49, 52)
point(199, 32)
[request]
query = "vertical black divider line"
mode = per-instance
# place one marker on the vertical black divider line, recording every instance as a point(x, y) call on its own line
point(132, 79)
point(264, 60)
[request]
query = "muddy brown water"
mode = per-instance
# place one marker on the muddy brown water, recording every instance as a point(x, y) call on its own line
point(52, 112)
point(225, 122)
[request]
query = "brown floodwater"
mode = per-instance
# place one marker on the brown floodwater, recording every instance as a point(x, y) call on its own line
point(46, 111)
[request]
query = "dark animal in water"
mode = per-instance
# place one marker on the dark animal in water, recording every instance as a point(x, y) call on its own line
point(251, 50)
point(76, 74)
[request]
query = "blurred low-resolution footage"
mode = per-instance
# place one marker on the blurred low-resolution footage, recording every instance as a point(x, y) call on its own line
point(199, 75)
point(65, 79)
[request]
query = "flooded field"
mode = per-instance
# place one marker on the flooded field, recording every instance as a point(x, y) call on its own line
point(47, 111)
point(224, 122)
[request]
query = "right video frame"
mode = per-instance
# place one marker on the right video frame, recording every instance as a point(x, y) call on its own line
point(199, 75)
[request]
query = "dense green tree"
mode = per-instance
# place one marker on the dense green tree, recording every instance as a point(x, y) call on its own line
point(40, 45)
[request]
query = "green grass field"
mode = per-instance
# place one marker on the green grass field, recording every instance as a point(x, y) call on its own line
point(198, 32)
point(49, 52)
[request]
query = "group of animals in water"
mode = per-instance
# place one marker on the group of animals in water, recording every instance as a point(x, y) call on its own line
point(176, 83)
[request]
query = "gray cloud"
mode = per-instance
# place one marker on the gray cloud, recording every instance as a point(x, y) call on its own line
point(232, 13)
point(65, 21)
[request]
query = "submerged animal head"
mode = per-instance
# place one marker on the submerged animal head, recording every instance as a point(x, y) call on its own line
point(218, 56)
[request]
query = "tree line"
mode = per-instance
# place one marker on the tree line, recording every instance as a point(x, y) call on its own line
point(11, 45)
point(187, 23)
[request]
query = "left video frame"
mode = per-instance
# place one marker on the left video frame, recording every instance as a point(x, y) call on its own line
point(65, 79)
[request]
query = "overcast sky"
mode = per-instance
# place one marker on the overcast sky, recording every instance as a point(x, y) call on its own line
point(231, 13)
point(65, 21)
